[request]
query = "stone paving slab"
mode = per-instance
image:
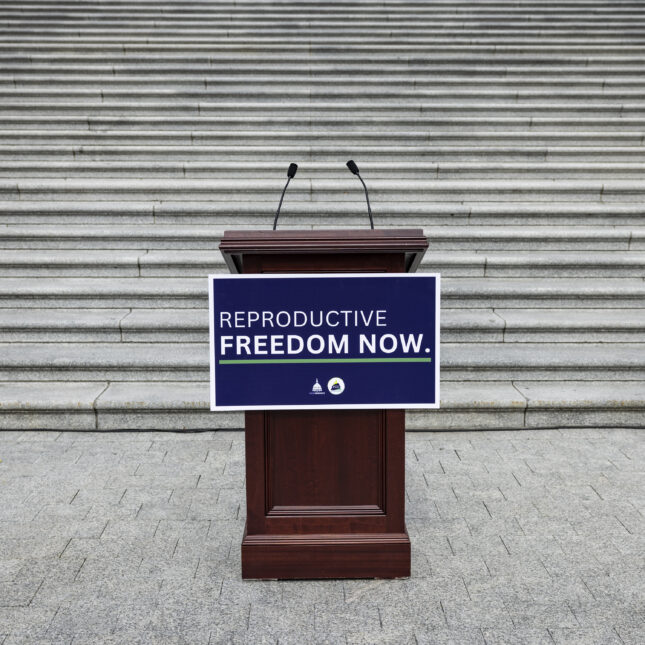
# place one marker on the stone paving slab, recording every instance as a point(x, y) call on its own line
point(533, 536)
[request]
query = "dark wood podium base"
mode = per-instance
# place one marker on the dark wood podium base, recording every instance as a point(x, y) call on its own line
point(325, 495)
point(354, 555)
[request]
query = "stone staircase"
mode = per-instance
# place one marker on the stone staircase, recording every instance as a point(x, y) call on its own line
point(134, 132)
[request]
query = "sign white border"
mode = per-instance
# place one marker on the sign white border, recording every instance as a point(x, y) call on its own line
point(339, 406)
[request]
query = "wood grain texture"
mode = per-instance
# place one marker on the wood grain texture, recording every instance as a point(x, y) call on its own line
point(325, 488)
point(326, 556)
point(382, 484)
point(298, 476)
point(410, 244)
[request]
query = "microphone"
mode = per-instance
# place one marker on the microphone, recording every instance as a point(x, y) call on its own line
point(291, 173)
point(355, 171)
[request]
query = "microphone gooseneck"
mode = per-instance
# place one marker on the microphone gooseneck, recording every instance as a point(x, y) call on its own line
point(291, 173)
point(353, 168)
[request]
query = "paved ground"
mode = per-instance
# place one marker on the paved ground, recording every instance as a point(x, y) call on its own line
point(517, 537)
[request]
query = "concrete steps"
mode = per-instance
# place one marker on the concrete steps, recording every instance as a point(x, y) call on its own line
point(105, 406)
point(197, 263)
point(134, 361)
point(70, 97)
point(405, 159)
point(128, 325)
point(265, 84)
point(117, 136)
point(311, 214)
point(618, 129)
point(174, 236)
point(325, 190)
point(135, 132)
point(189, 293)
point(327, 63)
point(418, 170)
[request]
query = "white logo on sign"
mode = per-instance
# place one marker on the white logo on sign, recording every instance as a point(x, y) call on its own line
point(336, 385)
point(317, 388)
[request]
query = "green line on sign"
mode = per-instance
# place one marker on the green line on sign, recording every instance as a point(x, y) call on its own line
point(267, 361)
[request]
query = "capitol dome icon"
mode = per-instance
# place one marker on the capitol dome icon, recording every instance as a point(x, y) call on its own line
point(317, 387)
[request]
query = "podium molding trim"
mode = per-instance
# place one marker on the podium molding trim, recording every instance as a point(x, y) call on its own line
point(350, 555)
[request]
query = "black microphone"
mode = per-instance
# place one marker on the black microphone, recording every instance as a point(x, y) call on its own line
point(355, 171)
point(291, 173)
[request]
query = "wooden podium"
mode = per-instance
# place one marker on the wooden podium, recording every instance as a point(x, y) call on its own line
point(325, 489)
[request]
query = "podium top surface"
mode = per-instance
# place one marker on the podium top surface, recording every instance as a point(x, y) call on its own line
point(235, 244)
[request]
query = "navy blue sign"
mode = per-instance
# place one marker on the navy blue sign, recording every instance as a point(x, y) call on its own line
point(324, 341)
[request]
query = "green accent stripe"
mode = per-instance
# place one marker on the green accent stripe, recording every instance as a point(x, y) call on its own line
point(275, 361)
